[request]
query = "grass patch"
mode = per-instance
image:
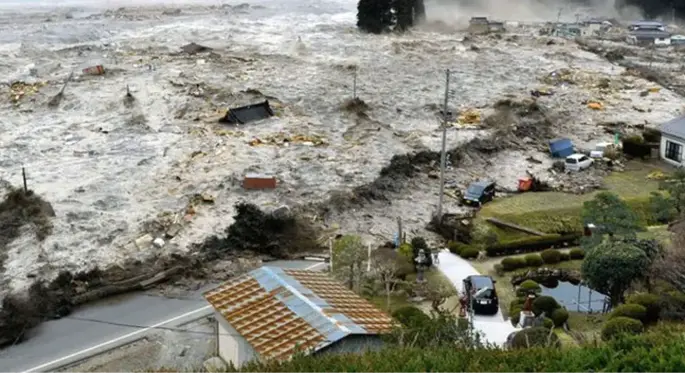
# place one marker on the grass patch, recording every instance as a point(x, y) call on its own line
point(584, 327)
point(556, 212)
point(657, 232)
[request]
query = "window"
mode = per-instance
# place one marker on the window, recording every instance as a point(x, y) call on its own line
point(583, 159)
point(674, 151)
point(571, 161)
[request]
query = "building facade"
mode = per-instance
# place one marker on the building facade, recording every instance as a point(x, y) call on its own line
point(672, 141)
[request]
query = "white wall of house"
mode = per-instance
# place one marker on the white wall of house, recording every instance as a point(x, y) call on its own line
point(672, 147)
point(233, 348)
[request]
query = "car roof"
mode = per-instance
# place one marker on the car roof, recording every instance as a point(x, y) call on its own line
point(576, 156)
point(481, 281)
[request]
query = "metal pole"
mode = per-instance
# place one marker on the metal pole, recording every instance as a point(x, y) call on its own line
point(330, 254)
point(354, 85)
point(368, 263)
point(443, 156)
point(589, 300)
point(23, 176)
point(578, 298)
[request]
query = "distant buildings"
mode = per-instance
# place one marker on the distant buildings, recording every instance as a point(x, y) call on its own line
point(481, 25)
point(646, 26)
point(649, 37)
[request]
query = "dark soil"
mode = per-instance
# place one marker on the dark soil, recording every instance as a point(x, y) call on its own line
point(19, 209)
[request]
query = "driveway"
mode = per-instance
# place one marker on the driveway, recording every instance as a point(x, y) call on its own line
point(494, 329)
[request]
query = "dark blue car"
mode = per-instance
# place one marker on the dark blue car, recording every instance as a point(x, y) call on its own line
point(478, 193)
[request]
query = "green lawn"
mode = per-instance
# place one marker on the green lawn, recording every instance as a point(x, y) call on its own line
point(556, 212)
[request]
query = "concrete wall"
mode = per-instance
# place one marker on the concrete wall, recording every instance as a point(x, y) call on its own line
point(662, 148)
point(233, 348)
point(353, 344)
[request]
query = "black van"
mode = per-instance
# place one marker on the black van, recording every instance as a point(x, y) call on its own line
point(481, 294)
point(478, 193)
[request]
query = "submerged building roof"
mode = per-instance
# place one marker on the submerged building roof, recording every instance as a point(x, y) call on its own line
point(283, 311)
point(674, 127)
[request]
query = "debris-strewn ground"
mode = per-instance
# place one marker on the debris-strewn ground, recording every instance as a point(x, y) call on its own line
point(183, 349)
point(120, 171)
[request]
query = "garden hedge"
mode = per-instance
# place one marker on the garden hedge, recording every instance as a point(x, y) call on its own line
point(564, 257)
point(469, 253)
point(410, 316)
point(528, 287)
point(533, 260)
point(559, 316)
point(531, 244)
point(535, 337)
point(621, 325)
point(511, 264)
point(551, 256)
point(545, 303)
point(577, 253)
point(651, 303)
point(633, 311)
point(644, 353)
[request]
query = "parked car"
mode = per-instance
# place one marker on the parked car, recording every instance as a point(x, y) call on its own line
point(578, 162)
point(478, 193)
point(481, 295)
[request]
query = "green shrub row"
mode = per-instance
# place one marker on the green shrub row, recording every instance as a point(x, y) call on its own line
point(549, 256)
point(644, 353)
point(531, 244)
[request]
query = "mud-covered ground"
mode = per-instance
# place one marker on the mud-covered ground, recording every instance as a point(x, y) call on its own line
point(115, 172)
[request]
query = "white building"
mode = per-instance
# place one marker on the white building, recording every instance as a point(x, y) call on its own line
point(272, 313)
point(673, 141)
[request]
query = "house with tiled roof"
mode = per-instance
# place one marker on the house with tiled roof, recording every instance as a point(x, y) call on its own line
point(274, 313)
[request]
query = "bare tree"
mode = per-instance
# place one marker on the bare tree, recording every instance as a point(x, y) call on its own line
point(349, 254)
point(670, 267)
point(436, 292)
point(388, 267)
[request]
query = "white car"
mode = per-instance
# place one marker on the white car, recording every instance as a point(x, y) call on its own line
point(578, 162)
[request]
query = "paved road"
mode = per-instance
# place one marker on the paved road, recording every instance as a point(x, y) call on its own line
point(56, 343)
point(494, 329)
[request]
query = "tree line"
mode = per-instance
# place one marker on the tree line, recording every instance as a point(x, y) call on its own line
point(379, 16)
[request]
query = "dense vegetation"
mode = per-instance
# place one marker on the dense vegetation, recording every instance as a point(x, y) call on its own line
point(654, 352)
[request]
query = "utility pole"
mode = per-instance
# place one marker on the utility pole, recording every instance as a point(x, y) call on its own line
point(559, 14)
point(23, 176)
point(354, 85)
point(330, 254)
point(443, 156)
point(368, 263)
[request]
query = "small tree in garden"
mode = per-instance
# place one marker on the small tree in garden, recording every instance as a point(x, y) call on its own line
point(612, 266)
point(612, 217)
point(349, 254)
point(663, 207)
point(388, 268)
point(675, 186)
point(670, 266)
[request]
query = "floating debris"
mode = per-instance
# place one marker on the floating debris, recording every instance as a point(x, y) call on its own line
point(284, 140)
point(19, 90)
point(94, 70)
point(56, 99)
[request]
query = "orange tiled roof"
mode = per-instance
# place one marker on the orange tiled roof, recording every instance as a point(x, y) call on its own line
point(280, 312)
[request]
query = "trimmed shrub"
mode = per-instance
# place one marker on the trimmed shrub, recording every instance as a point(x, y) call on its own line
point(515, 314)
point(577, 253)
point(469, 253)
point(419, 243)
point(411, 317)
point(564, 257)
point(499, 269)
point(528, 287)
point(406, 251)
point(545, 304)
point(551, 256)
point(531, 244)
point(535, 337)
point(456, 247)
point(559, 316)
point(548, 323)
point(672, 306)
point(621, 325)
point(511, 264)
point(651, 303)
point(633, 311)
point(533, 260)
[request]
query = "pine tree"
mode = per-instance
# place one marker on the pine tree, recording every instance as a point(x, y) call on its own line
point(374, 16)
